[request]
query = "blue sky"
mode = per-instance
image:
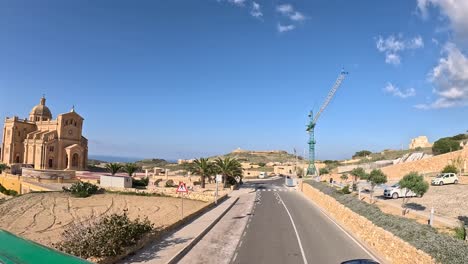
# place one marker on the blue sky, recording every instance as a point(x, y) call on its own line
point(182, 79)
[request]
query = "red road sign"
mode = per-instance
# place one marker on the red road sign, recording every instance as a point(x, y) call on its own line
point(182, 188)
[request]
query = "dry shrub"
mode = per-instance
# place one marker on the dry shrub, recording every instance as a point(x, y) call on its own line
point(104, 237)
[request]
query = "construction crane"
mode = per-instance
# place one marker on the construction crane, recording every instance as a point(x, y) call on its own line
point(312, 170)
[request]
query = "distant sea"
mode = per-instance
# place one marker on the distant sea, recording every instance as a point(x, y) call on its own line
point(119, 159)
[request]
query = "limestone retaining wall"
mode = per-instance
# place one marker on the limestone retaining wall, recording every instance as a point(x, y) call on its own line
point(11, 182)
point(425, 166)
point(48, 174)
point(392, 248)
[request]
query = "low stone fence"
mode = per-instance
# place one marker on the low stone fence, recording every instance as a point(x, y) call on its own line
point(204, 196)
point(48, 174)
point(389, 246)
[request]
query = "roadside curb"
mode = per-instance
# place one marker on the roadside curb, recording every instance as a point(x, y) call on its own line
point(185, 250)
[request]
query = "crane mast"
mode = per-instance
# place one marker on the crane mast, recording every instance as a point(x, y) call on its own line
point(312, 170)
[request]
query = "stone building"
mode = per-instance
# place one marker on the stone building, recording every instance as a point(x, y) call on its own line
point(43, 142)
point(419, 142)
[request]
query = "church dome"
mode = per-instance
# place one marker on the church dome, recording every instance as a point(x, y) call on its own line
point(40, 112)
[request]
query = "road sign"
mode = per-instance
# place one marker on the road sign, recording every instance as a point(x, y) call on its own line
point(182, 188)
point(219, 178)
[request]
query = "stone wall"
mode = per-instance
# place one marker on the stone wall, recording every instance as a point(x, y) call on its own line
point(48, 174)
point(202, 195)
point(425, 166)
point(11, 182)
point(388, 246)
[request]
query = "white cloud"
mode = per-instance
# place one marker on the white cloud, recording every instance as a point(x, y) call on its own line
point(256, 10)
point(417, 43)
point(289, 11)
point(285, 9)
point(455, 10)
point(297, 16)
point(237, 2)
point(392, 58)
point(285, 28)
point(392, 46)
point(395, 91)
point(450, 80)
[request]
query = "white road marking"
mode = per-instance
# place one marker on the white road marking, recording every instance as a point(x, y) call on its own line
point(295, 230)
point(235, 256)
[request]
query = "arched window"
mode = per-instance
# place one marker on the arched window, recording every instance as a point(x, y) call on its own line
point(51, 163)
point(75, 160)
point(17, 159)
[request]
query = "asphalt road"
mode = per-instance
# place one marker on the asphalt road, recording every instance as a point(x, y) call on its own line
point(285, 227)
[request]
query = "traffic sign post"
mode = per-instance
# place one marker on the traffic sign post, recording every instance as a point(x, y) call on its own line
point(182, 189)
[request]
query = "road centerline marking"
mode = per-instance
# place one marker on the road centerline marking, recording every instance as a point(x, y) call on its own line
point(295, 230)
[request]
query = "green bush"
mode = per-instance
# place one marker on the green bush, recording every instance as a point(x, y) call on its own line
point(105, 237)
point(82, 189)
point(7, 192)
point(345, 190)
point(324, 171)
point(445, 145)
point(442, 247)
point(460, 232)
point(362, 153)
point(450, 169)
point(170, 183)
point(140, 183)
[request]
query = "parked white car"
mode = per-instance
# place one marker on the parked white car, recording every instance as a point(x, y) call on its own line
point(262, 175)
point(445, 178)
point(396, 192)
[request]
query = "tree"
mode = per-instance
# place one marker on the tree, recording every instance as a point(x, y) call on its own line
point(445, 145)
point(362, 153)
point(358, 173)
point(130, 168)
point(344, 176)
point(113, 168)
point(262, 164)
point(3, 167)
point(460, 137)
point(450, 169)
point(202, 167)
point(415, 183)
point(323, 171)
point(375, 178)
point(230, 168)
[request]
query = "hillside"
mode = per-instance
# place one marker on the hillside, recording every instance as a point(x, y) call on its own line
point(260, 156)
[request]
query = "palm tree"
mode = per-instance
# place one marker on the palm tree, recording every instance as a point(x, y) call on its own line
point(202, 167)
point(130, 168)
point(113, 168)
point(3, 167)
point(229, 168)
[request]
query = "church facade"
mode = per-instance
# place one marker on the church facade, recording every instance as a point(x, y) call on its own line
point(44, 143)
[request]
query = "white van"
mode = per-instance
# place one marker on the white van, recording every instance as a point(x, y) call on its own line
point(262, 175)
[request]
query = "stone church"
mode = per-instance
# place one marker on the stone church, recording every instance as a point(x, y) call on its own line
point(44, 143)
